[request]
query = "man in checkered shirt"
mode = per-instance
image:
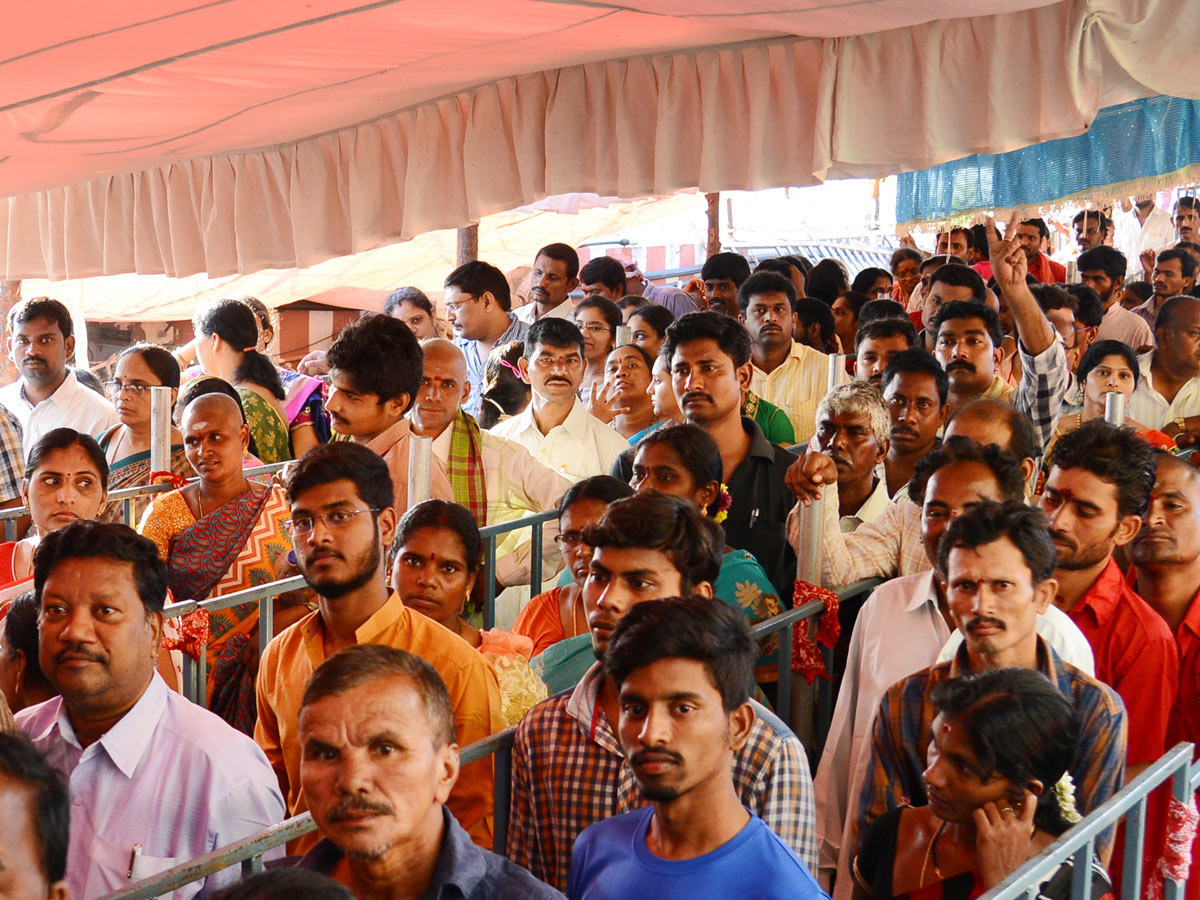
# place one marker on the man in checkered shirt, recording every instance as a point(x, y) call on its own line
point(568, 767)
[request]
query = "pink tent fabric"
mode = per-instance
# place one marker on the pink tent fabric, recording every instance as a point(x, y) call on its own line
point(225, 136)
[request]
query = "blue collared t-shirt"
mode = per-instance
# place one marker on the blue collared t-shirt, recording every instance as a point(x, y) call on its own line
point(612, 862)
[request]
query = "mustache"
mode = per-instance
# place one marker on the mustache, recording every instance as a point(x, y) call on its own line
point(350, 805)
point(960, 364)
point(696, 395)
point(901, 431)
point(1061, 537)
point(655, 755)
point(558, 379)
point(79, 650)
point(839, 460)
point(985, 620)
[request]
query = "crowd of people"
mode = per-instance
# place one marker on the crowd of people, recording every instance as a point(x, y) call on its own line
point(1035, 641)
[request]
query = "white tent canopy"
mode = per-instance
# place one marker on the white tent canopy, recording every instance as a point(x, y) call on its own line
point(226, 136)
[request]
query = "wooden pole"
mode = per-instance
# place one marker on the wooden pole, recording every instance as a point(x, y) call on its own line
point(468, 244)
point(10, 296)
point(714, 223)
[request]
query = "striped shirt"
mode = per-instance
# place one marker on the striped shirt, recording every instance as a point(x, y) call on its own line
point(569, 772)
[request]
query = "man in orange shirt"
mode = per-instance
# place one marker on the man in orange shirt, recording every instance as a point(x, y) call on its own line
point(342, 521)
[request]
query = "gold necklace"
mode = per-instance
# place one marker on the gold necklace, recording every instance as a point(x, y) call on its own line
point(930, 852)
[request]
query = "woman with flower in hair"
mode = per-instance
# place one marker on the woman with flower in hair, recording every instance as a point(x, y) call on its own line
point(683, 460)
point(999, 794)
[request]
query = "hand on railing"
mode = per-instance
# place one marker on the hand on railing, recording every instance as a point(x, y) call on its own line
point(807, 475)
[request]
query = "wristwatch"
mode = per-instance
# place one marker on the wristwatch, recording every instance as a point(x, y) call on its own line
point(1181, 423)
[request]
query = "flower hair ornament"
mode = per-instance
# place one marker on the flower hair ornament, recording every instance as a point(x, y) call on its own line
point(724, 501)
point(1064, 793)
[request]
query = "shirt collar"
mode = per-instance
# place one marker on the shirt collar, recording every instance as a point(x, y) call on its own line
point(584, 707)
point(1104, 595)
point(1048, 662)
point(393, 613)
point(62, 397)
point(877, 501)
point(393, 434)
point(759, 445)
point(924, 593)
point(460, 863)
point(126, 742)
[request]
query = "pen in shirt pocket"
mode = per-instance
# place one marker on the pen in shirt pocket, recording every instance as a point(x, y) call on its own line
point(753, 517)
point(133, 856)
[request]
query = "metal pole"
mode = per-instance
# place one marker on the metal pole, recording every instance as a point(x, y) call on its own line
point(837, 370)
point(624, 335)
point(1114, 408)
point(808, 568)
point(468, 244)
point(160, 429)
point(420, 468)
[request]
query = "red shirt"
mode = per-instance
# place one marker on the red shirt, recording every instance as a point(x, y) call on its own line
point(1047, 271)
point(1135, 654)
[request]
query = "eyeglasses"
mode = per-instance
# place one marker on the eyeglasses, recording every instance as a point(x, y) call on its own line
point(453, 308)
point(116, 387)
point(595, 328)
point(340, 518)
point(568, 539)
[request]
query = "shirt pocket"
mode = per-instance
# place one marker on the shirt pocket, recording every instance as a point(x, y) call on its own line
point(110, 864)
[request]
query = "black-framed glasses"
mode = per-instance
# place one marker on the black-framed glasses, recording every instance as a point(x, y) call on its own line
point(116, 387)
point(339, 518)
point(568, 539)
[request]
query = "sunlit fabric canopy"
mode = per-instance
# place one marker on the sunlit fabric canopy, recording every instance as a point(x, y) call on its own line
point(1137, 147)
point(224, 136)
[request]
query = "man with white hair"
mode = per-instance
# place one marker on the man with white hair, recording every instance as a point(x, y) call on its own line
point(852, 429)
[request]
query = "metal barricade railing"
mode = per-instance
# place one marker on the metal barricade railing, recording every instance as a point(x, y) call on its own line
point(10, 516)
point(1079, 843)
point(249, 851)
point(491, 535)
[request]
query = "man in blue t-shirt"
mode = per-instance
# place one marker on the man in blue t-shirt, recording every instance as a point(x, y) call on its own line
point(683, 668)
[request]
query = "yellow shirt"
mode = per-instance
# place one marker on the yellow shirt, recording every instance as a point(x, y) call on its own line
point(294, 654)
point(797, 387)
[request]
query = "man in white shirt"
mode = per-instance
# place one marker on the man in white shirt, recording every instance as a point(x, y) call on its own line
point(1168, 393)
point(496, 479)
point(555, 275)
point(121, 740)
point(902, 628)
point(793, 376)
point(41, 338)
point(555, 428)
point(852, 428)
point(1103, 270)
point(1144, 227)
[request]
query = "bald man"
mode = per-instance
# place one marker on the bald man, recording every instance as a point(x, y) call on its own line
point(496, 479)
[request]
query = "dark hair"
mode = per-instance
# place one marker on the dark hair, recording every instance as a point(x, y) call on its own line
point(956, 275)
point(88, 539)
point(503, 388)
point(1187, 262)
point(957, 229)
point(979, 241)
point(211, 384)
point(731, 336)
point(1140, 289)
point(1108, 260)
point(704, 629)
point(21, 633)
point(1112, 454)
point(477, 278)
point(284, 883)
point(938, 260)
point(919, 361)
point(646, 357)
point(958, 449)
point(825, 282)
point(766, 283)
point(88, 379)
point(363, 663)
point(900, 254)
point(41, 308)
point(381, 356)
point(970, 309)
point(865, 279)
point(809, 310)
point(726, 265)
point(777, 264)
point(235, 323)
point(1097, 214)
point(158, 360)
point(609, 310)
point(1089, 308)
point(1187, 201)
point(62, 439)
point(657, 317)
point(631, 302)
point(412, 295)
point(1020, 726)
point(855, 299)
point(1098, 351)
point(49, 802)
point(564, 253)
point(881, 309)
point(1166, 312)
point(553, 332)
point(326, 463)
point(885, 328)
point(694, 446)
point(1039, 224)
point(654, 521)
point(603, 488)
point(1187, 245)
point(446, 515)
point(1052, 296)
point(799, 260)
point(988, 522)
point(606, 271)
point(1025, 443)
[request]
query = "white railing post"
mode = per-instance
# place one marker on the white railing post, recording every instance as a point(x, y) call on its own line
point(420, 469)
point(160, 429)
point(1114, 408)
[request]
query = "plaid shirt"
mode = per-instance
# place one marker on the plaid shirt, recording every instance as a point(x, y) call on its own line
point(12, 456)
point(1044, 382)
point(569, 772)
point(904, 728)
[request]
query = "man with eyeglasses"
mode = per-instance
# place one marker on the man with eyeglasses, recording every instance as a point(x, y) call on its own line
point(478, 303)
point(342, 522)
point(555, 427)
point(41, 338)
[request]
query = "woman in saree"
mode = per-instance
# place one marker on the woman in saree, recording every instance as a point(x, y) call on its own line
point(998, 793)
point(126, 445)
point(227, 346)
point(219, 535)
point(438, 555)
